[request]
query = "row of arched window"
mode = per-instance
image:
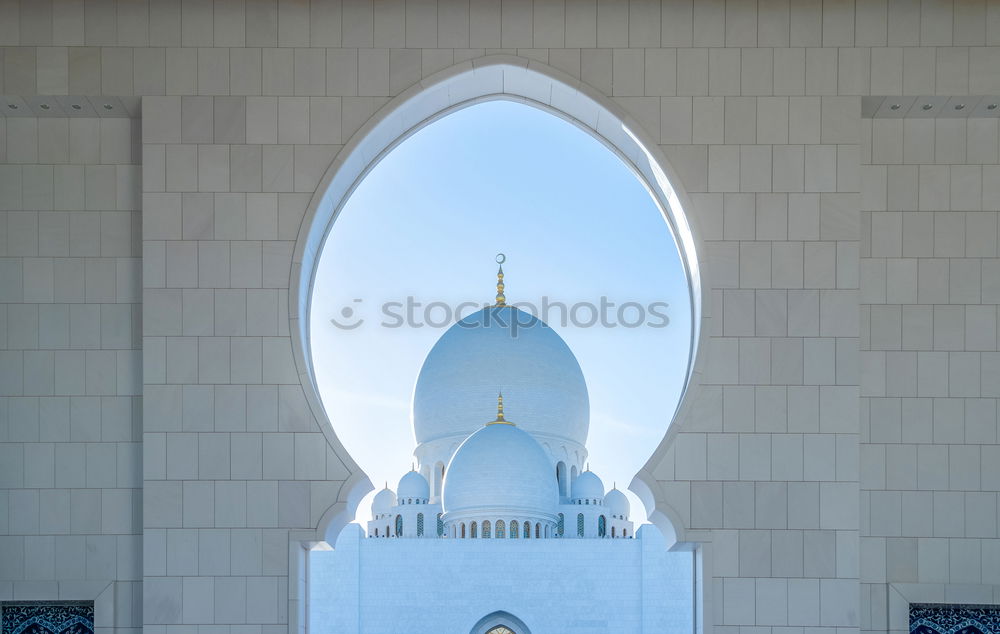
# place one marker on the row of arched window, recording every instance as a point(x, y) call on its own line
point(399, 527)
point(499, 530)
point(602, 527)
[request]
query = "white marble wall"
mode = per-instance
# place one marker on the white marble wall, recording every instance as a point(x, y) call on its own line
point(233, 456)
point(757, 106)
point(767, 460)
point(930, 458)
point(70, 363)
point(626, 586)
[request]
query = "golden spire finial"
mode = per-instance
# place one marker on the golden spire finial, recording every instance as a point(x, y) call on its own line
point(500, 419)
point(501, 299)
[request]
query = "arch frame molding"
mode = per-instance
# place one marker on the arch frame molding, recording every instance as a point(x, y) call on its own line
point(486, 79)
point(512, 78)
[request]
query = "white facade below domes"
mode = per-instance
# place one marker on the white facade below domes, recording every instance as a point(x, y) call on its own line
point(369, 586)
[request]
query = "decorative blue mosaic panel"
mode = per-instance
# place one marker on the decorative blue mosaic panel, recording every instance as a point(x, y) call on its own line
point(47, 618)
point(954, 619)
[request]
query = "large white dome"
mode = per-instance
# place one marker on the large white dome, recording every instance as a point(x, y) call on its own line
point(508, 349)
point(500, 469)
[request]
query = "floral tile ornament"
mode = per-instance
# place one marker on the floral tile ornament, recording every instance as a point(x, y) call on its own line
point(954, 619)
point(47, 618)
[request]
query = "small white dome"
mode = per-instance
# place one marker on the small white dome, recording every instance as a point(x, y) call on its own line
point(413, 485)
point(616, 501)
point(588, 486)
point(383, 502)
point(500, 468)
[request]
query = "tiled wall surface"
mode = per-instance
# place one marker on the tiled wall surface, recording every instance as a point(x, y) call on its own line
point(930, 458)
point(767, 461)
point(70, 362)
point(757, 106)
point(233, 456)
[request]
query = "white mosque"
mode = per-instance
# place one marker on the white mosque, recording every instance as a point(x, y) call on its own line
point(500, 528)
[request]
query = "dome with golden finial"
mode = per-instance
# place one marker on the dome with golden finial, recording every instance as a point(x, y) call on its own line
point(501, 345)
point(500, 469)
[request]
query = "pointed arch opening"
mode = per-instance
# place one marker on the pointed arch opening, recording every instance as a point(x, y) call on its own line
point(499, 78)
point(464, 85)
point(500, 622)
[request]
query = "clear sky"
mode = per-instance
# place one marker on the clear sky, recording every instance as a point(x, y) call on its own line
point(427, 222)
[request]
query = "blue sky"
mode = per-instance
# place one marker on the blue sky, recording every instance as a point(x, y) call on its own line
point(427, 222)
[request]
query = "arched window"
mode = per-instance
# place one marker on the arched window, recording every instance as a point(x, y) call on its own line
point(561, 479)
point(527, 530)
point(438, 479)
point(486, 529)
point(463, 531)
point(472, 530)
point(500, 622)
point(501, 529)
point(624, 533)
point(376, 532)
point(513, 529)
point(399, 526)
point(613, 532)
point(538, 528)
point(440, 526)
point(420, 524)
point(387, 530)
point(579, 525)
point(602, 526)
point(560, 526)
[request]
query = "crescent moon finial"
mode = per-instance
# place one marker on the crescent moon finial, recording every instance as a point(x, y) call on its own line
point(501, 298)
